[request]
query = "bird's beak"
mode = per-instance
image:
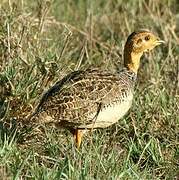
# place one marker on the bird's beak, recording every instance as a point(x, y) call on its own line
point(158, 42)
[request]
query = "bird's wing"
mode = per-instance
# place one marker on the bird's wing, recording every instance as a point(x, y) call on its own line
point(80, 94)
point(56, 88)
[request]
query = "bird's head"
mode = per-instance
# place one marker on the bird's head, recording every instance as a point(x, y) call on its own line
point(138, 43)
point(142, 41)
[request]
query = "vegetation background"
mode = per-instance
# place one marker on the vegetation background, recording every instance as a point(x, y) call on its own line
point(41, 41)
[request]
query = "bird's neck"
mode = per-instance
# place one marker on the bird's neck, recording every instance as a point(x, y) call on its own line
point(132, 60)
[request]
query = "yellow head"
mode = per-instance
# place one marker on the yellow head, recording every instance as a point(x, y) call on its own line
point(138, 43)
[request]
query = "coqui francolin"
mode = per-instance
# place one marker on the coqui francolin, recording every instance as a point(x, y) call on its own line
point(90, 99)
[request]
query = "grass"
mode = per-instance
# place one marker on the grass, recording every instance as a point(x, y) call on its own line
point(42, 41)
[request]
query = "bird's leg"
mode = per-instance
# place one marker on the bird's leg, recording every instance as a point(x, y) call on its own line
point(78, 134)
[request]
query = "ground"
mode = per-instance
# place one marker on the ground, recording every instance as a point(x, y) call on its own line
point(41, 41)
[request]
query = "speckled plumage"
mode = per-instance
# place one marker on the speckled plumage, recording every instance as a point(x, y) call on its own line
point(77, 99)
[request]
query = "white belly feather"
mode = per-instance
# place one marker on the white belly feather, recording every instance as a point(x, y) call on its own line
point(111, 114)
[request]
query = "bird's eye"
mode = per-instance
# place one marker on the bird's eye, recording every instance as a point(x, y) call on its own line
point(147, 38)
point(139, 41)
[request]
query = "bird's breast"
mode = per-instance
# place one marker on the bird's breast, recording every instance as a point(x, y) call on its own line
point(111, 113)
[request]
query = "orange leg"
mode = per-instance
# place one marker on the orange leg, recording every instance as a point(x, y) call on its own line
point(78, 134)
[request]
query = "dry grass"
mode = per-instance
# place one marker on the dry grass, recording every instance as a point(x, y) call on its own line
point(42, 41)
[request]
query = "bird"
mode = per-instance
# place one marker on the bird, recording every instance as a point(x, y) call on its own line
point(92, 98)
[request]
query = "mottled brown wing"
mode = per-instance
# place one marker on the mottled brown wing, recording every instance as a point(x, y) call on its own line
point(79, 94)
